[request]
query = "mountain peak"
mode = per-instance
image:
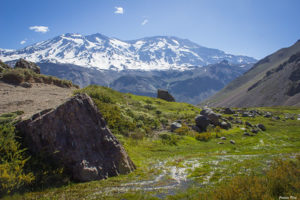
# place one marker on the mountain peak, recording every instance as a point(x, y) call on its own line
point(102, 52)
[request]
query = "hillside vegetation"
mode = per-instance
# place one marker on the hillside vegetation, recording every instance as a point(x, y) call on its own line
point(20, 76)
point(184, 164)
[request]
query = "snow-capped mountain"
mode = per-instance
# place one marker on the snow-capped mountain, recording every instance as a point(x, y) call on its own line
point(102, 52)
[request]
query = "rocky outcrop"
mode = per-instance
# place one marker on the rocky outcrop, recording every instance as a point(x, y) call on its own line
point(75, 134)
point(24, 64)
point(165, 95)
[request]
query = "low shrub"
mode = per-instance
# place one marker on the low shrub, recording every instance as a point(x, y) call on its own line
point(282, 179)
point(183, 130)
point(169, 139)
point(12, 162)
point(203, 136)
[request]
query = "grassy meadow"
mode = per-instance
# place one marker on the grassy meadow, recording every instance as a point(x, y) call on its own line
point(183, 165)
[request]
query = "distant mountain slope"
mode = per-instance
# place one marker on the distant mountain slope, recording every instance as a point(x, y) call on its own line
point(189, 86)
point(102, 52)
point(274, 80)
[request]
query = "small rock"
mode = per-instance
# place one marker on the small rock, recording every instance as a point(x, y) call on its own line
point(276, 118)
point(175, 125)
point(248, 124)
point(225, 125)
point(268, 115)
point(26, 85)
point(245, 114)
point(232, 141)
point(223, 138)
point(220, 142)
point(254, 131)
point(230, 118)
point(229, 111)
point(261, 127)
point(246, 134)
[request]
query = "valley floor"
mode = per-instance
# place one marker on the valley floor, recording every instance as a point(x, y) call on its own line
point(187, 167)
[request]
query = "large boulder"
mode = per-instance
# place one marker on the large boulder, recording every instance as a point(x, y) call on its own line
point(75, 134)
point(24, 64)
point(211, 115)
point(202, 122)
point(165, 95)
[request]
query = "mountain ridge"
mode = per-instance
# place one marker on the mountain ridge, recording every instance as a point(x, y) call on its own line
point(102, 52)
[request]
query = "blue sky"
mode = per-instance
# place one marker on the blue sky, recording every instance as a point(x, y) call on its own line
point(247, 27)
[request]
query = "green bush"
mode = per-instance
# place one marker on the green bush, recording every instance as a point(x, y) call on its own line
point(169, 139)
point(12, 162)
point(203, 136)
point(183, 130)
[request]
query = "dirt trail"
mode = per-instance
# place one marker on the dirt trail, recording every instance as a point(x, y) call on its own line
point(31, 100)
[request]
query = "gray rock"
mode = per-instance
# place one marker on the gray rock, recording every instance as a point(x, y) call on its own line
point(225, 125)
point(276, 118)
point(246, 134)
point(175, 125)
point(223, 138)
point(165, 95)
point(75, 134)
point(261, 127)
point(196, 128)
point(26, 85)
point(211, 115)
point(229, 111)
point(230, 118)
point(220, 142)
point(24, 64)
point(268, 115)
point(254, 131)
point(202, 122)
point(232, 141)
point(248, 124)
point(246, 114)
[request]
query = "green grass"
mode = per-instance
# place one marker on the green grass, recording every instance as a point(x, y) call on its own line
point(207, 165)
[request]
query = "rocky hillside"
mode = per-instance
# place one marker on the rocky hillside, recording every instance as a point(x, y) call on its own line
point(272, 81)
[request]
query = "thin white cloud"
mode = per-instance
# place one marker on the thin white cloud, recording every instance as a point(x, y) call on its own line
point(23, 42)
point(119, 10)
point(41, 29)
point(145, 22)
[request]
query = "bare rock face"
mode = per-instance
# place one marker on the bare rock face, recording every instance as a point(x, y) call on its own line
point(75, 134)
point(165, 95)
point(21, 63)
